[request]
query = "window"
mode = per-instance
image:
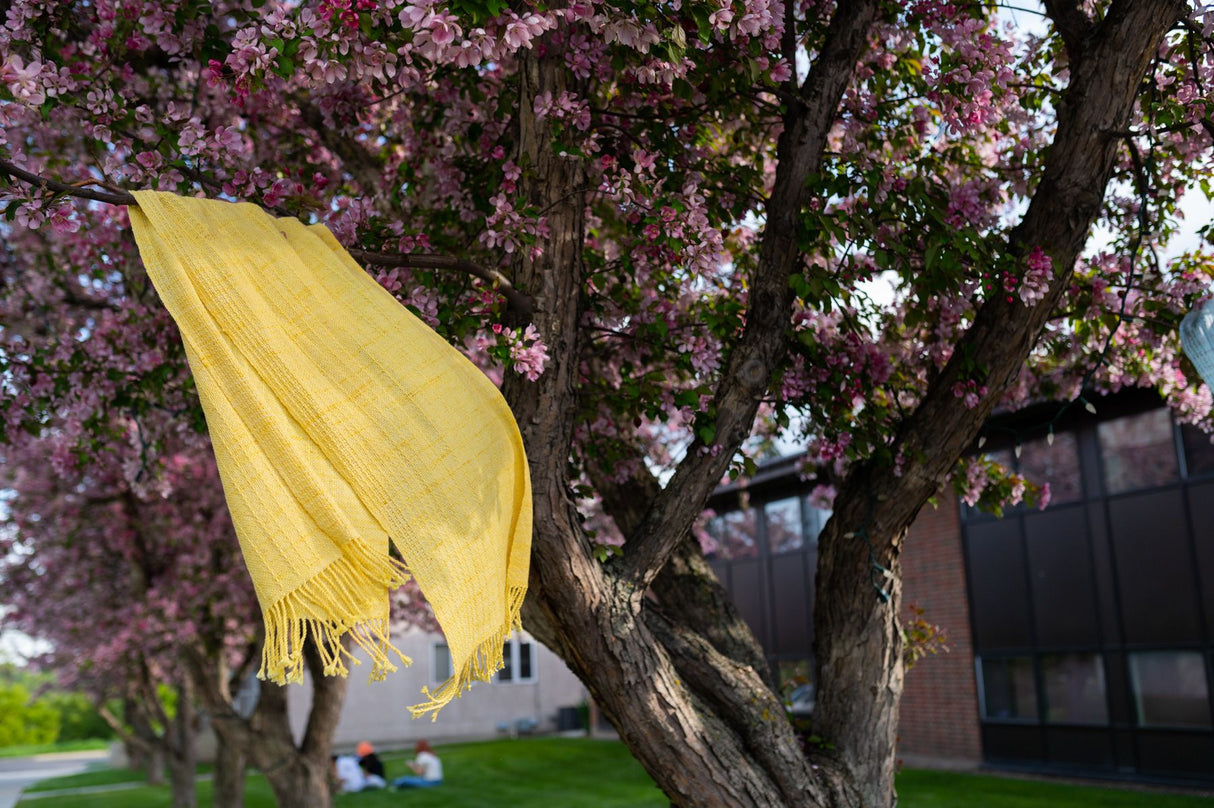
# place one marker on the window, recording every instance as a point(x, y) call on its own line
point(518, 656)
point(441, 657)
point(783, 520)
point(815, 520)
point(1170, 689)
point(1007, 689)
point(739, 536)
point(1074, 689)
point(1057, 465)
point(1198, 450)
point(1138, 451)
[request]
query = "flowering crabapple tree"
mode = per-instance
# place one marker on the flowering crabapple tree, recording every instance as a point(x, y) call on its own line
point(120, 580)
point(662, 227)
point(133, 574)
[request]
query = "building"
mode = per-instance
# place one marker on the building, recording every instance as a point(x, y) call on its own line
point(528, 695)
point(1082, 635)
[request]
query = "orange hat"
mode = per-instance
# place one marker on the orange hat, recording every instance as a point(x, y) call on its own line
point(364, 748)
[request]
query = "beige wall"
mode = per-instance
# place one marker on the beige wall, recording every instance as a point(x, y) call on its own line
point(378, 711)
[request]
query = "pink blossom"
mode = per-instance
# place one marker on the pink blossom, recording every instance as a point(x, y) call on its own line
point(227, 139)
point(721, 18)
point(1039, 271)
point(822, 497)
point(529, 354)
point(63, 220)
point(23, 80)
point(1043, 496)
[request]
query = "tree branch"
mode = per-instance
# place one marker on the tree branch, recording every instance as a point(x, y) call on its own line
point(734, 689)
point(120, 729)
point(757, 356)
point(686, 587)
point(517, 300)
point(1072, 23)
point(47, 184)
point(877, 502)
point(328, 693)
point(1096, 105)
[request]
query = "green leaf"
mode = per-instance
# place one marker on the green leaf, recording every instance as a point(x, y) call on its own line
point(686, 398)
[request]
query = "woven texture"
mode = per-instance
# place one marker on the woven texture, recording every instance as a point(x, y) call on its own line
point(340, 422)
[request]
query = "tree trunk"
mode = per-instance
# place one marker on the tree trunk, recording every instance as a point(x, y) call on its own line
point(857, 635)
point(298, 775)
point(182, 773)
point(144, 736)
point(858, 656)
point(180, 738)
point(689, 692)
point(228, 785)
point(302, 783)
point(706, 726)
point(155, 762)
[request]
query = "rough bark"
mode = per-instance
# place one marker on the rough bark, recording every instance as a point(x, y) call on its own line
point(858, 645)
point(686, 586)
point(228, 786)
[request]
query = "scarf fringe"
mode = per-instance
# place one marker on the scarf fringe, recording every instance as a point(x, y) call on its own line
point(289, 620)
point(485, 661)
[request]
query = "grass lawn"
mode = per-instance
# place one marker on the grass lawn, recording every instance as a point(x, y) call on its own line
point(929, 789)
point(582, 773)
point(523, 773)
point(44, 748)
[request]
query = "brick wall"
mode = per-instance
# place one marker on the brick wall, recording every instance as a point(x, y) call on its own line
point(939, 719)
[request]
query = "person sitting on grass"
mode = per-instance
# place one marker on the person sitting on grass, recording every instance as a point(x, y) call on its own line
point(371, 765)
point(347, 774)
point(427, 769)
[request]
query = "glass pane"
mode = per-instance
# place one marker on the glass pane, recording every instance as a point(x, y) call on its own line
point(1138, 451)
point(783, 519)
point(506, 674)
point(739, 537)
point(1004, 457)
point(1074, 689)
point(442, 663)
point(1008, 690)
point(815, 520)
point(1170, 689)
point(1057, 465)
point(524, 661)
point(1198, 450)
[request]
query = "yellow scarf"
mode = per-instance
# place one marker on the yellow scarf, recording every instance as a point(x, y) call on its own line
point(340, 422)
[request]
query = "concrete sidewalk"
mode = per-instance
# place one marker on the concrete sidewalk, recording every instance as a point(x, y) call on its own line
point(16, 774)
